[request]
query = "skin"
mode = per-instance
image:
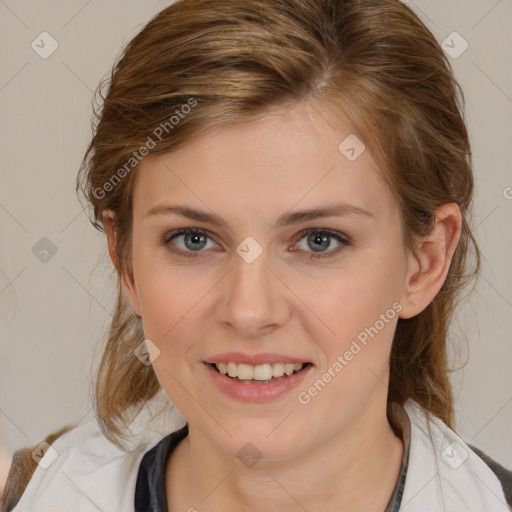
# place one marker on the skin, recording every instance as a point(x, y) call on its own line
point(338, 452)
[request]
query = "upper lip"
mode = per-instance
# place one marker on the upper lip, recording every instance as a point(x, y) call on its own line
point(254, 359)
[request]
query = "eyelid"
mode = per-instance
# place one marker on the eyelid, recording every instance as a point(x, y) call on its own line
point(342, 239)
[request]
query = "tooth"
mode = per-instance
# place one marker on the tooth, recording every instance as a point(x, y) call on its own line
point(232, 369)
point(277, 370)
point(262, 372)
point(245, 371)
point(297, 366)
point(222, 367)
point(288, 368)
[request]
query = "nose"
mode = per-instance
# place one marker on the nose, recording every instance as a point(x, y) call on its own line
point(255, 299)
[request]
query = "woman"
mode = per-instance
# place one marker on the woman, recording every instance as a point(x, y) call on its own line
point(286, 192)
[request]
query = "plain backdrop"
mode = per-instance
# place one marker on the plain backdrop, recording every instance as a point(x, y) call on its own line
point(55, 286)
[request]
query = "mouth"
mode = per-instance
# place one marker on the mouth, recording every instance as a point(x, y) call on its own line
point(260, 374)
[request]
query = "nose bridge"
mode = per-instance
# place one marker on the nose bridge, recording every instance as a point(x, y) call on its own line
point(255, 297)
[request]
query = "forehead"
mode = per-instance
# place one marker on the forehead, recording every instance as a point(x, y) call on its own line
point(293, 158)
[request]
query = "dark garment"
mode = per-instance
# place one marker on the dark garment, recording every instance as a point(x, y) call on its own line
point(150, 495)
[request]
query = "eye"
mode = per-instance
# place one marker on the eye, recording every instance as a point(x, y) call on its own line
point(194, 240)
point(319, 240)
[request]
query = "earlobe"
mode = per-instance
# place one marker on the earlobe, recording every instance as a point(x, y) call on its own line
point(429, 266)
point(126, 277)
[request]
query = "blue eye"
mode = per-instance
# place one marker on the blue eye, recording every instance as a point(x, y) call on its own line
point(321, 238)
point(194, 240)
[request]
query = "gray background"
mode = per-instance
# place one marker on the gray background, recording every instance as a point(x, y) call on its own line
point(53, 313)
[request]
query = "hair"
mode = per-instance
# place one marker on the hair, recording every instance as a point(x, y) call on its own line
point(199, 64)
point(22, 468)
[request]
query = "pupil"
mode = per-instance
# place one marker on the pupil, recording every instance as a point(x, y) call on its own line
point(195, 240)
point(317, 239)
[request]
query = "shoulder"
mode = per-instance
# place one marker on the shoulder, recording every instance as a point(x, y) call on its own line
point(79, 470)
point(23, 465)
point(504, 475)
point(446, 473)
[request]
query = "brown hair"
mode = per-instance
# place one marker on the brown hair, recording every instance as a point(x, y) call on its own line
point(22, 468)
point(208, 62)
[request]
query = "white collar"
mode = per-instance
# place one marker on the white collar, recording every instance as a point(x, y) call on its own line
point(91, 474)
point(444, 474)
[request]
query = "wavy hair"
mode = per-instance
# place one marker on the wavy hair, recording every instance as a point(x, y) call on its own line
point(209, 62)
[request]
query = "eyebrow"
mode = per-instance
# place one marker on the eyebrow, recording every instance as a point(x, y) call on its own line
point(287, 219)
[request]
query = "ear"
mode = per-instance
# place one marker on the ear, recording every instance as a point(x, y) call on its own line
point(126, 276)
point(428, 267)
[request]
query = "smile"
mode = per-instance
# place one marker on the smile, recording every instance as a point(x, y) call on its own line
point(260, 383)
point(261, 373)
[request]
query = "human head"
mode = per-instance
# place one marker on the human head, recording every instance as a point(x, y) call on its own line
point(372, 63)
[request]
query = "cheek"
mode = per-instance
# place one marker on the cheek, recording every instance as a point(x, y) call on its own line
point(355, 311)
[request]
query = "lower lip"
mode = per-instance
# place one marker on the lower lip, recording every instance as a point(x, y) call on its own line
point(248, 392)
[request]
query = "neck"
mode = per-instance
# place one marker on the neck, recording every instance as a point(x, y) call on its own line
point(356, 470)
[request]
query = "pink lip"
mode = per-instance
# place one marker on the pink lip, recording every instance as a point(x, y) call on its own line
point(248, 392)
point(253, 359)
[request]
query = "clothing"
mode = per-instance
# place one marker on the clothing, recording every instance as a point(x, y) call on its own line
point(150, 493)
point(443, 474)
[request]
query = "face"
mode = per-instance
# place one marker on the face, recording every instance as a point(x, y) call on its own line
point(266, 286)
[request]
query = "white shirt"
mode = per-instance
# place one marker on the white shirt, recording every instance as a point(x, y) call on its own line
point(90, 473)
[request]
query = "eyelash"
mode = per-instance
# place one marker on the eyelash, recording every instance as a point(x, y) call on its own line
point(345, 242)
